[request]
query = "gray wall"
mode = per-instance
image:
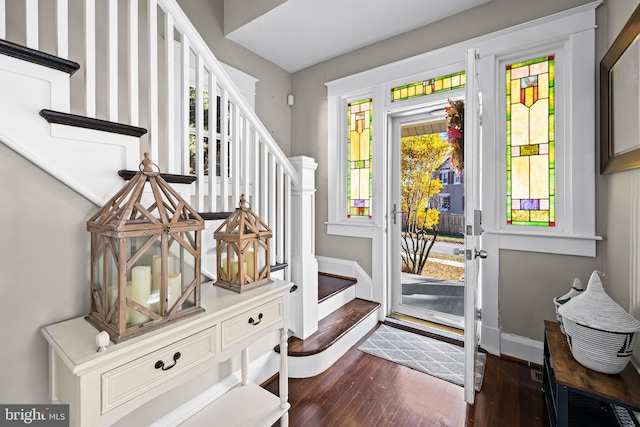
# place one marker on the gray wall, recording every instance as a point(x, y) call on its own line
point(44, 271)
point(309, 137)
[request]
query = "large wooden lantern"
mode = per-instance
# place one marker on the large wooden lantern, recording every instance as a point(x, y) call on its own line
point(242, 250)
point(145, 257)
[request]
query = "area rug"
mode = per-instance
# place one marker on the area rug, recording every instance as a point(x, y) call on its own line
point(436, 358)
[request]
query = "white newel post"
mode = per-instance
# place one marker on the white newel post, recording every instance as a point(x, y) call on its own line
point(304, 266)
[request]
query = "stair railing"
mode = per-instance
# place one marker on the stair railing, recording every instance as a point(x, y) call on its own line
point(158, 74)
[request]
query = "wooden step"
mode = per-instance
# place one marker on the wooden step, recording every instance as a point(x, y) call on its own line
point(331, 328)
point(331, 284)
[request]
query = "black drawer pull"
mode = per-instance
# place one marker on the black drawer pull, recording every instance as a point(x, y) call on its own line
point(160, 363)
point(253, 322)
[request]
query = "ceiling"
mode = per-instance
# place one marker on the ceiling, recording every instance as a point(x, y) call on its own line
point(299, 33)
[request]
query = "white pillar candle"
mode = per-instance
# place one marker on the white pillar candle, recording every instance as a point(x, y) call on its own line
point(156, 270)
point(250, 264)
point(140, 291)
point(175, 289)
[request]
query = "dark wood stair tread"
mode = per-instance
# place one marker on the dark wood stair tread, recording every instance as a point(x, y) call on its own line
point(58, 117)
point(35, 56)
point(331, 284)
point(331, 328)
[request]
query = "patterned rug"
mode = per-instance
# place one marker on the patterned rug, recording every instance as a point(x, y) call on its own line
point(436, 358)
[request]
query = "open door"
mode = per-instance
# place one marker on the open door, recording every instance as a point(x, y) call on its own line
point(473, 223)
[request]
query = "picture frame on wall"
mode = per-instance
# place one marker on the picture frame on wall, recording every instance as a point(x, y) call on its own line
point(620, 101)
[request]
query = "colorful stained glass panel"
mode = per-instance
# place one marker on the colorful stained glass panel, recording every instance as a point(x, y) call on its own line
point(530, 149)
point(359, 158)
point(428, 87)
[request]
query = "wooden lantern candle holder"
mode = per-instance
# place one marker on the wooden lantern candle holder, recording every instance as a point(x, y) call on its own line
point(145, 257)
point(243, 240)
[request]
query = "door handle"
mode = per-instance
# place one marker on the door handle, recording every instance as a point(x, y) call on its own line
point(480, 253)
point(467, 253)
point(394, 212)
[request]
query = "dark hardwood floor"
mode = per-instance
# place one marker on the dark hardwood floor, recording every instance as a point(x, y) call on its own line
point(364, 390)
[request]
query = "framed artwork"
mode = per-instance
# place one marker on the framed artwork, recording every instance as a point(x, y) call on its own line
point(620, 101)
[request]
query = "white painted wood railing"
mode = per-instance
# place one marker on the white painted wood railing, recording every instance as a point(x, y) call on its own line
point(157, 74)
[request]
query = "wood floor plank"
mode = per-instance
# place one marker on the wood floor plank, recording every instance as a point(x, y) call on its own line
point(361, 390)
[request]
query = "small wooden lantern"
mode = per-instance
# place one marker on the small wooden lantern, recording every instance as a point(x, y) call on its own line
point(145, 257)
point(243, 240)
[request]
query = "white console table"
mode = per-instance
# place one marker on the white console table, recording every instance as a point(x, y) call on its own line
point(102, 387)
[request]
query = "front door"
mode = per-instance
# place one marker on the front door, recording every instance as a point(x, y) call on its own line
point(473, 222)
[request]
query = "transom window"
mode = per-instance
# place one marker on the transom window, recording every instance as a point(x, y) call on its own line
point(429, 86)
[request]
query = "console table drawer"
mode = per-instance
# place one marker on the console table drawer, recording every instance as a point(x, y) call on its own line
point(251, 321)
point(135, 378)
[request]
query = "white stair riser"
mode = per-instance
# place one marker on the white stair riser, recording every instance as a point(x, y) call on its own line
point(336, 301)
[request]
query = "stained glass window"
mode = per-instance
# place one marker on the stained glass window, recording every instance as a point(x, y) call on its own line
point(430, 86)
point(359, 157)
point(531, 180)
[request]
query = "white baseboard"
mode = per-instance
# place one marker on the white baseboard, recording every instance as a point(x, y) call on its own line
point(522, 348)
point(260, 370)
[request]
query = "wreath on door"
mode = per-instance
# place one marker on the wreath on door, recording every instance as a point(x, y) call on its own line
point(455, 133)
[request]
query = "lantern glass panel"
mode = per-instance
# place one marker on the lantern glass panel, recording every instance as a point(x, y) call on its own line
point(181, 270)
point(262, 258)
point(229, 262)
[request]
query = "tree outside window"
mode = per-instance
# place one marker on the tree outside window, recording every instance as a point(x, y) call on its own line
point(421, 157)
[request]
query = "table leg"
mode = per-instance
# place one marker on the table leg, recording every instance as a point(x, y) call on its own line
point(562, 394)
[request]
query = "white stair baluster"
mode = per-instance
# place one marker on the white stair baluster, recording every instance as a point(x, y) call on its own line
point(264, 182)
point(200, 189)
point(152, 47)
point(3, 19)
point(272, 208)
point(31, 7)
point(112, 59)
point(236, 151)
point(280, 212)
point(213, 114)
point(62, 28)
point(255, 171)
point(90, 57)
point(246, 149)
point(185, 85)
point(170, 128)
point(132, 40)
point(287, 230)
point(224, 151)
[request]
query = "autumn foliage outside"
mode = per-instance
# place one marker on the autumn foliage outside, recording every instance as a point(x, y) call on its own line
point(421, 157)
